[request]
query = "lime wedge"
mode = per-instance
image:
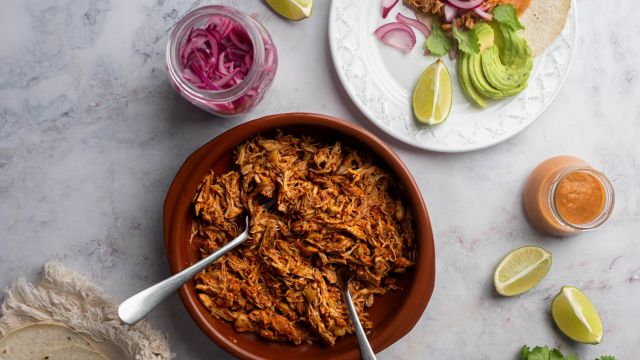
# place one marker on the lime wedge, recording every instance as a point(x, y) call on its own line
point(432, 95)
point(292, 9)
point(521, 270)
point(576, 316)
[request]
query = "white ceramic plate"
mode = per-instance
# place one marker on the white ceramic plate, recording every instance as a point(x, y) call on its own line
point(380, 80)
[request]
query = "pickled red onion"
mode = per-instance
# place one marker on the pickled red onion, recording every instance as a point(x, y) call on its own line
point(483, 14)
point(398, 35)
point(415, 23)
point(218, 56)
point(465, 4)
point(450, 13)
point(387, 5)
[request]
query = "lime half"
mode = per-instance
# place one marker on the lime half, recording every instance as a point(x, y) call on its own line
point(576, 316)
point(292, 9)
point(521, 270)
point(432, 95)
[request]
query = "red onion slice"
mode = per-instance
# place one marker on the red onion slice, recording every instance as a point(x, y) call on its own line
point(483, 14)
point(415, 23)
point(387, 5)
point(397, 35)
point(235, 39)
point(218, 56)
point(224, 80)
point(465, 5)
point(450, 13)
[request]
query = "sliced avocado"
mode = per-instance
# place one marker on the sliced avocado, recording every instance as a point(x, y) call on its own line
point(510, 80)
point(479, 81)
point(485, 35)
point(508, 69)
point(498, 37)
point(502, 67)
point(465, 81)
point(513, 47)
point(506, 65)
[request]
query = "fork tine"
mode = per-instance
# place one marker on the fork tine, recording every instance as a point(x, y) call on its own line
point(344, 276)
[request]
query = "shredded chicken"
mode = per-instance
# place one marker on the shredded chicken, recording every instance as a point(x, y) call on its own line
point(333, 208)
point(463, 18)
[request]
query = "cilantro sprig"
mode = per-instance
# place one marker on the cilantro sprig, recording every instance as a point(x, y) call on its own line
point(467, 41)
point(438, 43)
point(506, 15)
point(546, 353)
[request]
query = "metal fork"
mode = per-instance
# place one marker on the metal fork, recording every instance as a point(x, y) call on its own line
point(366, 352)
point(140, 305)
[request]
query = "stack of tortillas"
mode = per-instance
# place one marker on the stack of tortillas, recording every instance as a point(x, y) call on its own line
point(48, 341)
point(64, 317)
point(543, 22)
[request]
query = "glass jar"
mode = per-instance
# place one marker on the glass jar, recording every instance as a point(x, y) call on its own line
point(565, 196)
point(246, 94)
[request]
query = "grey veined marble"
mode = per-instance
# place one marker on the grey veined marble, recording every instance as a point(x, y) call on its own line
point(91, 135)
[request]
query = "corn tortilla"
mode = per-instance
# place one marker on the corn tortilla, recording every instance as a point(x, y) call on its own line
point(543, 22)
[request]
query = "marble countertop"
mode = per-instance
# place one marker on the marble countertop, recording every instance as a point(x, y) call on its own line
point(91, 135)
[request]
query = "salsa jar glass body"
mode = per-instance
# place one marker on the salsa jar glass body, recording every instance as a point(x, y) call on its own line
point(542, 190)
point(244, 96)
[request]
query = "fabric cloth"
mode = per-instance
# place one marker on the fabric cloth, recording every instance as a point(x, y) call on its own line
point(65, 297)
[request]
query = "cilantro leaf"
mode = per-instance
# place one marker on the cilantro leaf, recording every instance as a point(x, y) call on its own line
point(506, 15)
point(467, 41)
point(438, 43)
point(539, 353)
point(545, 353)
point(555, 354)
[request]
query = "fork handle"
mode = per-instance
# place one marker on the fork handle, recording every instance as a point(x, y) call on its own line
point(365, 349)
point(139, 305)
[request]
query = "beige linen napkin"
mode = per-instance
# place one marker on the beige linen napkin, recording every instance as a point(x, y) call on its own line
point(68, 298)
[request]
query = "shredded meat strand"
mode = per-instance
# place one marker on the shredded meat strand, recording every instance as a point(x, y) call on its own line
point(463, 18)
point(333, 208)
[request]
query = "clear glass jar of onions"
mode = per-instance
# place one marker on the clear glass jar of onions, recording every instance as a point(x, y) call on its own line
point(221, 60)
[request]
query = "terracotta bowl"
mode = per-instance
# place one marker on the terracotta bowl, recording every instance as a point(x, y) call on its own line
point(393, 314)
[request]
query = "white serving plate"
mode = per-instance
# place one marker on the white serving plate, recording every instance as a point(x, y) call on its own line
point(380, 80)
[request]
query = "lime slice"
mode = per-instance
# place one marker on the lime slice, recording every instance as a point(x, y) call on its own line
point(292, 9)
point(432, 95)
point(521, 270)
point(576, 316)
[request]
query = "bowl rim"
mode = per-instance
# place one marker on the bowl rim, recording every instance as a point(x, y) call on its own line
point(418, 295)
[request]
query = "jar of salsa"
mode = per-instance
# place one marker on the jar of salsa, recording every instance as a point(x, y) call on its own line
point(221, 60)
point(565, 196)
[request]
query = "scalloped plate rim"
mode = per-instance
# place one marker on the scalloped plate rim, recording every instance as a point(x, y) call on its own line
point(573, 12)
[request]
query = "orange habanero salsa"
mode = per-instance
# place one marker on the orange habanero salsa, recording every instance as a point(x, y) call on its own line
point(564, 196)
point(579, 197)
